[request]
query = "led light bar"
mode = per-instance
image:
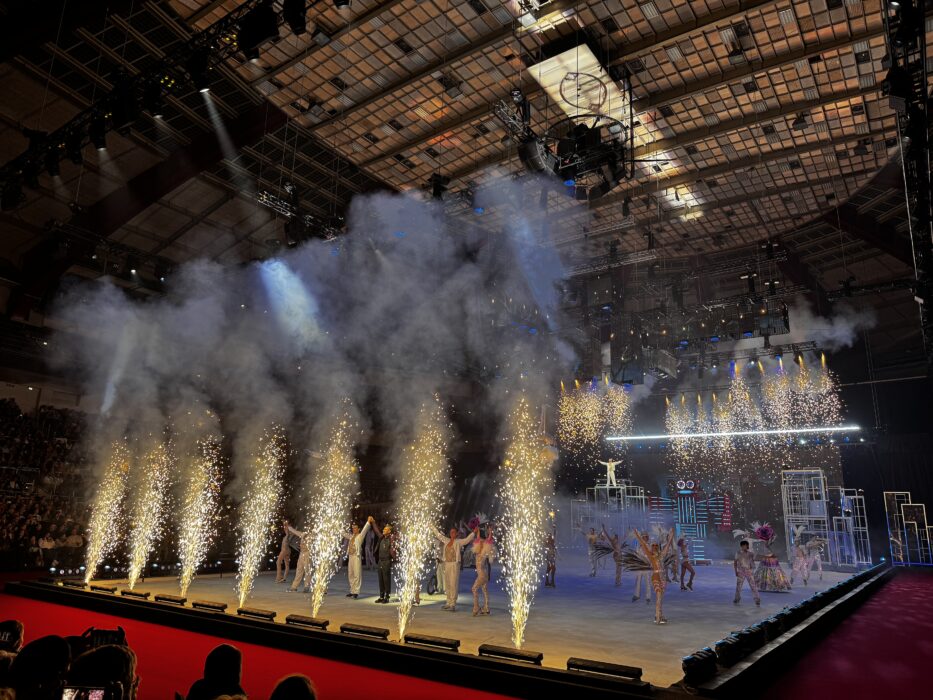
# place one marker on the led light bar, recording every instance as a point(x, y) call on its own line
point(736, 433)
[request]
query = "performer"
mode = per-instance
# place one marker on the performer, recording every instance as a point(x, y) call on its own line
point(550, 558)
point(769, 576)
point(657, 558)
point(591, 539)
point(385, 548)
point(369, 547)
point(452, 556)
point(303, 567)
point(814, 550)
point(743, 564)
point(685, 565)
point(354, 559)
point(615, 541)
point(801, 564)
point(610, 471)
point(485, 551)
point(285, 556)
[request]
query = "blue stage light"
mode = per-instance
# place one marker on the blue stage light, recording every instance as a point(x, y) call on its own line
point(570, 182)
point(479, 210)
point(714, 339)
point(400, 234)
point(747, 334)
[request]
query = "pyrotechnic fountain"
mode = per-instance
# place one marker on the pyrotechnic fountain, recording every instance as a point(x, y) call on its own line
point(421, 492)
point(148, 511)
point(199, 506)
point(258, 507)
point(104, 526)
point(335, 482)
point(526, 485)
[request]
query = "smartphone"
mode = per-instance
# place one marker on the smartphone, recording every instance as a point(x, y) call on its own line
point(74, 692)
point(99, 637)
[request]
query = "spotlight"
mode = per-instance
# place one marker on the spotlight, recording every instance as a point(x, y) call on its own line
point(800, 122)
point(529, 657)
point(305, 621)
point(426, 640)
point(208, 605)
point(294, 12)
point(171, 599)
point(364, 631)
point(632, 673)
point(342, 4)
point(152, 99)
point(438, 184)
point(198, 67)
point(97, 131)
point(126, 592)
point(627, 206)
point(258, 26)
point(257, 613)
point(132, 266)
point(570, 182)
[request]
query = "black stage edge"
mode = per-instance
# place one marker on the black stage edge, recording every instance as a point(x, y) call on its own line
point(466, 670)
point(744, 679)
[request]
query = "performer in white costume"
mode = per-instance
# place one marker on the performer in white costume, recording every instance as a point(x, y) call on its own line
point(354, 557)
point(284, 558)
point(303, 567)
point(610, 471)
point(453, 550)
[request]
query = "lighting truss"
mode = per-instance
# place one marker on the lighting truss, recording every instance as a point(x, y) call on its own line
point(608, 262)
point(738, 433)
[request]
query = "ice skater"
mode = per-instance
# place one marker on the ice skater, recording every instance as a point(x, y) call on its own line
point(800, 566)
point(355, 539)
point(485, 550)
point(452, 557)
point(685, 565)
point(657, 557)
point(814, 549)
point(615, 541)
point(591, 539)
point(285, 556)
point(303, 567)
point(744, 565)
point(610, 471)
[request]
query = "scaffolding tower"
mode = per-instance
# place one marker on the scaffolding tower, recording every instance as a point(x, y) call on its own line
point(849, 544)
point(620, 508)
point(909, 533)
point(804, 496)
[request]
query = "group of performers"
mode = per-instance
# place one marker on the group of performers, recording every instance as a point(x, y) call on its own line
point(449, 561)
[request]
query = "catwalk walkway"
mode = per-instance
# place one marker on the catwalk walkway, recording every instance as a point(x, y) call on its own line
point(883, 650)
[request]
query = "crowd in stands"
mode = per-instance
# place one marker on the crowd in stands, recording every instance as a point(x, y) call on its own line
point(42, 467)
point(46, 667)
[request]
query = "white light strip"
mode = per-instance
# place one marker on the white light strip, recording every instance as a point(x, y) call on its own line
point(736, 433)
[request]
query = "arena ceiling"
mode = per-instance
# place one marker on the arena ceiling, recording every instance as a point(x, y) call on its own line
point(764, 119)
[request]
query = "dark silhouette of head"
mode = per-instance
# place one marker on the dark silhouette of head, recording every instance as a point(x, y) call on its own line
point(294, 687)
point(39, 669)
point(106, 664)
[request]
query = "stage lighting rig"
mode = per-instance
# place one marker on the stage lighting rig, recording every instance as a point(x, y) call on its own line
point(298, 225)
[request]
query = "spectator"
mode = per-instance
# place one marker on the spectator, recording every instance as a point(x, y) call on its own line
point(294, 687)
point(11, 636)
point(105, 665)
point(222, 670)
point(38, 672)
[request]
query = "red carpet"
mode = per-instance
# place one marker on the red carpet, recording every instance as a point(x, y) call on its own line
point(884, 650)
point(171, 660)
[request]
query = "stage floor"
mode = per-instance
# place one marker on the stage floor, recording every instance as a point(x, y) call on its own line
point(584, 616)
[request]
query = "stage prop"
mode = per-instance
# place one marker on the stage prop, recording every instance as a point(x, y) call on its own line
point(909, 532)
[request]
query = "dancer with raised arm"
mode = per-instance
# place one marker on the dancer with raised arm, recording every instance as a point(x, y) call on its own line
point(615, 541)
point(657, 557)
point(355, 539)
point(610, 471)
point(550, 558)
point(452, 554)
